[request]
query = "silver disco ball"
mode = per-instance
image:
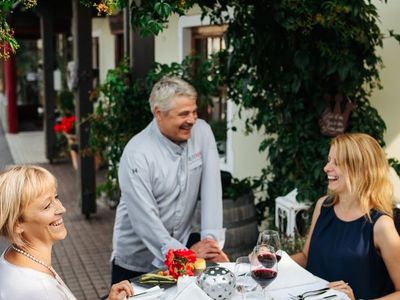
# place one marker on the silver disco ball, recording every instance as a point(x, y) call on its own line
point(217, 282)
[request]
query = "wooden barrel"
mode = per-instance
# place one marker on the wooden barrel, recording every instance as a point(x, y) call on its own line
point(240, 221)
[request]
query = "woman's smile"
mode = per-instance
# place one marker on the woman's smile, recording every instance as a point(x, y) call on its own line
point(57, 223)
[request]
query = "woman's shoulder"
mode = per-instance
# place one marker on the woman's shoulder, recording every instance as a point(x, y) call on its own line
point(23, 283)
point(386, 235)
point(13, 274)
point(324, 202)
point(16, 282)
point(328, 200)
point(383, 223)
point(320, 204)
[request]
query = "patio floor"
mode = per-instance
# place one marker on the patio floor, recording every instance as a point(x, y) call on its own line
point(82, 259)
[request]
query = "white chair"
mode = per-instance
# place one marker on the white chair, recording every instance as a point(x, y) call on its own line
point(286, 210)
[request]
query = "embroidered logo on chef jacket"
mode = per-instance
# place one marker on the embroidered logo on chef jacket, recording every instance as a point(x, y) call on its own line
point(195, 160)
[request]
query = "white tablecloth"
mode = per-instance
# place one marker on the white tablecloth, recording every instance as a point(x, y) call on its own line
point(292, 279)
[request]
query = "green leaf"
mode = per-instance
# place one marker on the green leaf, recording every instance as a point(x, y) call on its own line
point(163, 9)
point(394, 35)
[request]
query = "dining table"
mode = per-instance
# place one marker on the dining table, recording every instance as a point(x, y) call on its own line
point(292, 280)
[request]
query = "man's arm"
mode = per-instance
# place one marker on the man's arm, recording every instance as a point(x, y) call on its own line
point(211, 191)
point(135, 183)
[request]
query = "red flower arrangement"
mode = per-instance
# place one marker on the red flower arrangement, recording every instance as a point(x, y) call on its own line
point(180, 262)
point(66, 125)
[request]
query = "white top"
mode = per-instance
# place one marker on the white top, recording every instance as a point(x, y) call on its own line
point(19, 283)
point(160, 182)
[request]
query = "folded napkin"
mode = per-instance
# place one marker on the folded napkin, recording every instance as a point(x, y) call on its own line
point(189, 290)
point(290, 274)
point(148, 294)
point(293, 280)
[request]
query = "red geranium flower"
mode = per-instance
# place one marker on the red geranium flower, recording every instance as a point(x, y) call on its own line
point(180, 262)
point(66, 125)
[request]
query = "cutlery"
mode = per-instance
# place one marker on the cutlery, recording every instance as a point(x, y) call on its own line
point(310, 293)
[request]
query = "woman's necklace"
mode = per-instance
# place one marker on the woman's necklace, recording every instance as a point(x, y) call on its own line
point(30, 256)
point(58, 278)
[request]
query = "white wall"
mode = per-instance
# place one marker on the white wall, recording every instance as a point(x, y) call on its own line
point(387, 100)
point(166, 43)
point(101, 29)
point(247, 160)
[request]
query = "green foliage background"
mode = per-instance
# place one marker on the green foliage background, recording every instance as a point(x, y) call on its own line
point(282, 57)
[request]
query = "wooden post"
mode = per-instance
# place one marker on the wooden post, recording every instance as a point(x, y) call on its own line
point(140, 49)
point(127, 31)
point(82, 35)
point(143, 55)
point(46, 13)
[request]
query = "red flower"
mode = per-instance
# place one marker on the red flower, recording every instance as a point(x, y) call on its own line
point(180, 262)
point(58, 128)
point(169, 258)
point(66, 125)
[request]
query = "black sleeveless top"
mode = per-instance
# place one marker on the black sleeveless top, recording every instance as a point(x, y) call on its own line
point(345, 251)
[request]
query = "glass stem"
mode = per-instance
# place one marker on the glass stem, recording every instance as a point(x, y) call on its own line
point(266, 295)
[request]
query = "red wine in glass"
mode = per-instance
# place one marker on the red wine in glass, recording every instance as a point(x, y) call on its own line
point(264, 276)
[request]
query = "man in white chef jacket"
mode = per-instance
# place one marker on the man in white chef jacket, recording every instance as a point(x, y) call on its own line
point(163, 171)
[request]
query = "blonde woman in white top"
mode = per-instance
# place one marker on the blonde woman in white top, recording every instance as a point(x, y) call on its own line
point(31, 218)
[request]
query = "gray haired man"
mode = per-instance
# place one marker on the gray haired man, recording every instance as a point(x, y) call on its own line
point(162, 171)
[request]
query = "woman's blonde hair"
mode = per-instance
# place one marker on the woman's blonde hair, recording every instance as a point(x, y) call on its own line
point(19, 185)
point(363, 160)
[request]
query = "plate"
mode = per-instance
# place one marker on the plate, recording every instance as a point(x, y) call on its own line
point(163, 285)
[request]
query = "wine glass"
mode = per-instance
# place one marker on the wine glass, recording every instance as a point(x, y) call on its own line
point(264, 266)
point(244, 280)
point(271, 238)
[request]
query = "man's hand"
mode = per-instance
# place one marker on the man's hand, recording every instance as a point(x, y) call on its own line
point(222, 257)
point(207, 249)
point(120, 291)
